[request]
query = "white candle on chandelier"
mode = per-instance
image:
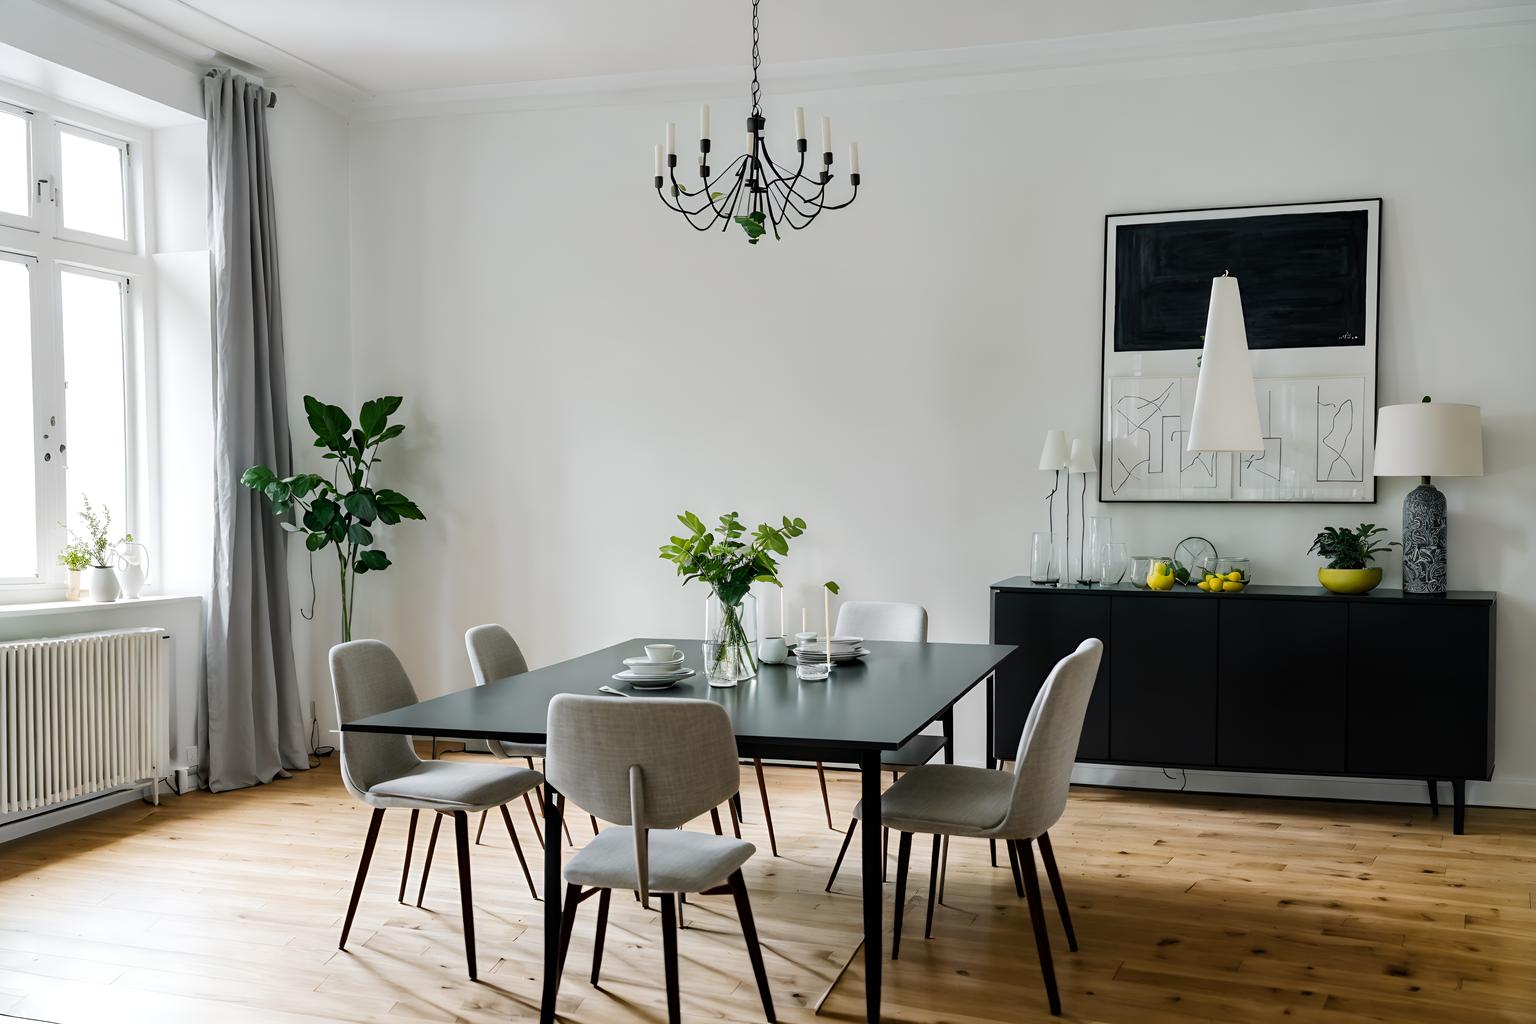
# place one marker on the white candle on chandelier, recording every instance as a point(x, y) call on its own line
point(658, 161)
point(671, 138)
point(751, 143)
point(704, 120)
point(826, 135)
point(853, 158)
point(799, 122)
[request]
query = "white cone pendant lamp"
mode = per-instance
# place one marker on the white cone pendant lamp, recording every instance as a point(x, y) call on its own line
point(1226, 417)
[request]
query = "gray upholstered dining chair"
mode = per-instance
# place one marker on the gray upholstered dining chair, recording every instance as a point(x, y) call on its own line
point(1018, 807)
point(384, 772)
point(493, 655)
point(650, 765)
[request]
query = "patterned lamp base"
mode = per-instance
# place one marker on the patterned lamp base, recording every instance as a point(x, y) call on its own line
point(1424, 540)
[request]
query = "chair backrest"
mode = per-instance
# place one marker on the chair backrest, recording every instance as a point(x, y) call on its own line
point(648, 762)
point(1048, 746)
point(883, 620)
point(367, 679)
point(493, 654)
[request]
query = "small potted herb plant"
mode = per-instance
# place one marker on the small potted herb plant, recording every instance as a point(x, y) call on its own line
point(75, 557)
point(100, 551)
point(1349, 553)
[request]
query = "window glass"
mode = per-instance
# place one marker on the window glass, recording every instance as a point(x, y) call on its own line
point(94, 406)
point(91, 197)
point(18, 510)
point(15, 172)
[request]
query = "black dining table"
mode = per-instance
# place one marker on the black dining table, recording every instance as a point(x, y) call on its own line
point(866, 708)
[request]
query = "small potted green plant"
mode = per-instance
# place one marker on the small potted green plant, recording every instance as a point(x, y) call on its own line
point(75, 557)
point(99, 550)
point(1349, 553)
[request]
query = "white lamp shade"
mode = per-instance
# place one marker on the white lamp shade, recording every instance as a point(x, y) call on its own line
point(1226, 417)
point(1081, 459)
point(1054, 455)
point(1429, 439)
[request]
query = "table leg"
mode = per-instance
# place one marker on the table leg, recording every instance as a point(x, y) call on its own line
point(947, 720)
point(554, 811)
point(874, 953)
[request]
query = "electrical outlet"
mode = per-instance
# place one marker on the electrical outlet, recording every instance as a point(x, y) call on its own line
point(188, 756)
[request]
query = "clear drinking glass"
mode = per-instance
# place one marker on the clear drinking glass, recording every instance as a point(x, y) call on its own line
point(1116, 563)
point(1042, 559)
point(1096, 536)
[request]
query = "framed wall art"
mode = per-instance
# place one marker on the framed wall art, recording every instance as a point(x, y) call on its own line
point(1309, 278)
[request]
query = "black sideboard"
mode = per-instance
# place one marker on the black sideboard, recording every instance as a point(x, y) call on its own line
point(1292, 680)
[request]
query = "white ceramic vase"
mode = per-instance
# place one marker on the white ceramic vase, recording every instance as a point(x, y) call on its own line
point(101, 581)
point(132, 568)
point(73, 592)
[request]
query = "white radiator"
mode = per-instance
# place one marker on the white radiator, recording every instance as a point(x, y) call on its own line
point(79, 715)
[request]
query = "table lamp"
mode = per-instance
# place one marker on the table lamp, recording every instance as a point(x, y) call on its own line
point(1079, 460)
point(1053, 459)
point(1427, 439)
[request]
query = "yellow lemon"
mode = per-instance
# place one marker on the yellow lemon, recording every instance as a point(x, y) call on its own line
point(1235, 576)
point(1232, 586)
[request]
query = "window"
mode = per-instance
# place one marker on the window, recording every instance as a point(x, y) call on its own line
point(70, 257)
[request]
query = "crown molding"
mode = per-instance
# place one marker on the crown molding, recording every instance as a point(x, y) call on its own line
point(1352, 32)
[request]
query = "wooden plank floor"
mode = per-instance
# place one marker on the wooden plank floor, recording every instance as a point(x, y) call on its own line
point(1188, 908)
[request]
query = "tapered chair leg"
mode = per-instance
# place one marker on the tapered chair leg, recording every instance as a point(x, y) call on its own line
point(738, 886)
point(1049, 857)
point(593, 819)
point(602, 931)
point(1013, 862)
point(533, 816)
point(410, 841)
point(762, 789)
point(741, 813)
point(669, 957)
point(506, 816)
point(903, 860)
point(993, 844)
point(466, 897)
point(714, 819)
point(481, 830)
point(567, 922)
point(885, 854)
point(826, 802)
point(933, 884)
point(837, 864)
point(1026, 858)
point(735, 821)
point(944, 867)
point(426, 865)
point(362, 873)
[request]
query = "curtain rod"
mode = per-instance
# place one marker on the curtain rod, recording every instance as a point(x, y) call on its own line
point(271, 96)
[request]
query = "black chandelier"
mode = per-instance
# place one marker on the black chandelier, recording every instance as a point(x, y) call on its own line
point(754, 191)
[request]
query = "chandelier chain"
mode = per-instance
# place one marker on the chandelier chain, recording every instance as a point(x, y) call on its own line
point(757, 60)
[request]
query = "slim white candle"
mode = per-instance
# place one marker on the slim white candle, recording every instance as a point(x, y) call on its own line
point(826, 135)
point(781, 611)
point(799, 122)
point(658, 161)
point(853, 158)
point(803, 627)
point(826, 610)
point(704, 120)
point(671, 138)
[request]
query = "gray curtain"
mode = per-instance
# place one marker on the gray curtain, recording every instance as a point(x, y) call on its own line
point(251, 714)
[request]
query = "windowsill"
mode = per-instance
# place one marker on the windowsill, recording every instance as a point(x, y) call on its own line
point(16, 611)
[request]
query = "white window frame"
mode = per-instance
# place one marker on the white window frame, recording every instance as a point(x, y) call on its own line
point(48, 249)
point(27, 221)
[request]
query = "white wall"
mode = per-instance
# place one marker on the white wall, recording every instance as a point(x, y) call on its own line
point(310, 184)
point(578, 365)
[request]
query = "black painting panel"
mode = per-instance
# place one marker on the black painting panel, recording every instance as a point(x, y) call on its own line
point(1302, 275)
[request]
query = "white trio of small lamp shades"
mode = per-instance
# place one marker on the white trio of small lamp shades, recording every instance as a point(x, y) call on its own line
point(826, 138)
point(1057, 455)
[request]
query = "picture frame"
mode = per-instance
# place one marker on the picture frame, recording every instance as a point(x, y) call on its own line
point(1309, 275)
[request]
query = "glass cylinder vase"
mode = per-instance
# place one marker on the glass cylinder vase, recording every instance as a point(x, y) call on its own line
point(1090, 552)
point(1042, 559)
point(730, 639)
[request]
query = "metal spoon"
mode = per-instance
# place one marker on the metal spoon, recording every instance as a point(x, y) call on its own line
point(616, 693)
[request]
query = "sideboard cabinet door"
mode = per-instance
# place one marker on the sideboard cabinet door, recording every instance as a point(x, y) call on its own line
point(1162, 664)
point(1282, 670)
point(1420, 694)
point(1047, 627)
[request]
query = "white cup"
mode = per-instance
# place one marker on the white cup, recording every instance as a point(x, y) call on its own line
point(660, 652)
point(771, 650)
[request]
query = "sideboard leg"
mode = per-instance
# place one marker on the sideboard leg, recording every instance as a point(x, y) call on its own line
point(1459, 812)
point(1434, 797)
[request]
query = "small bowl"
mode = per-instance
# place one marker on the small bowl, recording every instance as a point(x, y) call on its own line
point(1142, 575)
point(1223, 575)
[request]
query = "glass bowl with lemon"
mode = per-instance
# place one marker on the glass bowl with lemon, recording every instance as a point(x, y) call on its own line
point(1223, 575)
point(1152, 572)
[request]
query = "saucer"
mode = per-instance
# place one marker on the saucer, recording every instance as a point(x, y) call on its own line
point(653, 680)
point(645, 666)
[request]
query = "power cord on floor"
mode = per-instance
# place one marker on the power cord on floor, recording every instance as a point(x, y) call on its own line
point(316, 753)
point(1183, 778)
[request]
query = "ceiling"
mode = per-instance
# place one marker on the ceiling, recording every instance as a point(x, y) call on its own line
point(359, 50)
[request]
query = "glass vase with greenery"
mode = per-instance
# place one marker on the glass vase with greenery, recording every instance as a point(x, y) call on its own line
point(730, 562)
point(341, 512)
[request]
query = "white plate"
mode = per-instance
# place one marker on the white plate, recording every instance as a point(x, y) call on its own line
point(820, 651)
point(644, 662)
point(837, 658)
point(657, 680)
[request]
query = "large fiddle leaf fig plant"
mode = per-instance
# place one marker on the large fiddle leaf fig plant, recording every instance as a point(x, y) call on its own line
point(344, 511)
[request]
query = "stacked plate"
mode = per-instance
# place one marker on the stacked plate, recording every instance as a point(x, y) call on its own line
point(660, 668)
point(844, 648)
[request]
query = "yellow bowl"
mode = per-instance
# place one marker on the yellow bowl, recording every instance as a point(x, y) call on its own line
point(1350, 581)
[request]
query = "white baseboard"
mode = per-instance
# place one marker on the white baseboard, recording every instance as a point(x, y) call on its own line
point(30, 822)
